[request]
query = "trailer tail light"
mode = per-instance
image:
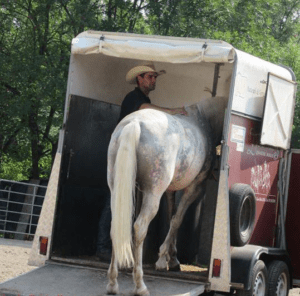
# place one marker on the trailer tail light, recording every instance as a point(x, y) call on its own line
point(43, 245)
point(216, 268)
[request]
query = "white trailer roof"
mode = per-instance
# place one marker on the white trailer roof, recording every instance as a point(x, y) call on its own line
point(100, 61)
point(153, 48)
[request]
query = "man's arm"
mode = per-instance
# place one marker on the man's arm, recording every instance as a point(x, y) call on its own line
point(171, 111)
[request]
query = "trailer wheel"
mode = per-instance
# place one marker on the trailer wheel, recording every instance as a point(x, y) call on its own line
point(258, 280)
point(279, 279)
point(242, 214)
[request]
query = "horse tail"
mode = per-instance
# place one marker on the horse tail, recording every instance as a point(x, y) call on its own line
point(123, 194)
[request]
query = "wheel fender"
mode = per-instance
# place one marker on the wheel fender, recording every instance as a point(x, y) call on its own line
point(243, 260)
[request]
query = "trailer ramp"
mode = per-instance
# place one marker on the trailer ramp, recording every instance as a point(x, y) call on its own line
point(55, 279)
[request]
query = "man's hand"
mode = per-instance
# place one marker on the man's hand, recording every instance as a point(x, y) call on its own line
point(179, 111)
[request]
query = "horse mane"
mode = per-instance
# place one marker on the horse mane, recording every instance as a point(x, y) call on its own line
point(214, 111)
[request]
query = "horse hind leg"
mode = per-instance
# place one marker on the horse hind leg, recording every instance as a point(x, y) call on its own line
point(112, 286)
point(167, 256)
point(174, 264)
point(169, 245)
point(168, 259)
point(148, 211)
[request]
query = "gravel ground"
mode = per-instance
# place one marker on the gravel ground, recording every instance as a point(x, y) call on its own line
point(294, 292)
point(14, 256)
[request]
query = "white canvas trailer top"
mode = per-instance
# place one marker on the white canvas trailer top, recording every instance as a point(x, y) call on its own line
point(196, 69)
point(100, 61)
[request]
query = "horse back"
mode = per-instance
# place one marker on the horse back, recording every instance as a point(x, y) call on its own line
point(171, 151)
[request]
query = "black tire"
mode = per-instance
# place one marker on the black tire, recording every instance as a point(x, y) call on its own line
point(242, 214)
point(279, 279)
point(258, 280)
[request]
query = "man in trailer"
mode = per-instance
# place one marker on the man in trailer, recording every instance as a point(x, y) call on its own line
point(145, 77)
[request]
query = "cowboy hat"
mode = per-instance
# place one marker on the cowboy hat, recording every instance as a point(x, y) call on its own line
point(138, 70)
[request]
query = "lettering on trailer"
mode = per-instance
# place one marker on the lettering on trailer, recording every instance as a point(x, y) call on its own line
point(261, 178)
point(255, 91)
point(264, 199)
point(271, 153)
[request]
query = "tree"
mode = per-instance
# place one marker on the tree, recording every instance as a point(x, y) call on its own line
point(35, 49)
point(267, 29)
point(32, 80)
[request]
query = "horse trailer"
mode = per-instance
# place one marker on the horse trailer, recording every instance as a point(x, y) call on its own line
point(241, 236)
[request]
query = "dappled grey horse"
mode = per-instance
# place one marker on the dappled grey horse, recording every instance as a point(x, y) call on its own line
point(161, 153)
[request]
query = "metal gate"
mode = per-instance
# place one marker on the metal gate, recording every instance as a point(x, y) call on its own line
point(20, 207)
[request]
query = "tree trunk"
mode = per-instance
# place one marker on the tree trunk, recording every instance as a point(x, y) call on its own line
point(35, 154)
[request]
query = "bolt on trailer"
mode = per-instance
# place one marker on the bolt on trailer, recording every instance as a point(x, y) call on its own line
point(231, 239)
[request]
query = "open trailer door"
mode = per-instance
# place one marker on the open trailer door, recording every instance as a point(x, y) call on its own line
point(278, 112)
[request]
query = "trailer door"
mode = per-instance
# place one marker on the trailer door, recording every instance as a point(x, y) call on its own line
point(278, 112)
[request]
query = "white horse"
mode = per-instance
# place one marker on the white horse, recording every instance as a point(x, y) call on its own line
point(161, 153)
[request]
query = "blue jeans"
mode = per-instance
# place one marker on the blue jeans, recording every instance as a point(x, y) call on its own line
point(103, 239)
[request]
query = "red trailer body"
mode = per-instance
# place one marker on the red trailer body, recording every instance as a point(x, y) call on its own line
point(256, 165)
point(257, 140)
point(293, 215)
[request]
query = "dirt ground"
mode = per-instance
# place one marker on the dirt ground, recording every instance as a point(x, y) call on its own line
point(13, 261)
point(14, 256)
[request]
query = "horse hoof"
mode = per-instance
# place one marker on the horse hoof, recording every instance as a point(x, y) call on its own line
point(141, 292)
point(174, 268)
point(161, 268)
point(112, 289)
point(174, 264)
point(161, 264)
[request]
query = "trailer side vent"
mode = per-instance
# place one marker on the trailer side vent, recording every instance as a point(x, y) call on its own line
point(216, 268)
point(43, 245)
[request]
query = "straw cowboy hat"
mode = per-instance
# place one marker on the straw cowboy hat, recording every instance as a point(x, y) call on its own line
point(138, 70)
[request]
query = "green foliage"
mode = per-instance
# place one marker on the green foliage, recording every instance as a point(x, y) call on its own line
point(267, 29)
point(35, 39)
point(12, 169)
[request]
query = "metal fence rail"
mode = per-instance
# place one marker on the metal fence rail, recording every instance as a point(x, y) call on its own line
point(20, 207)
